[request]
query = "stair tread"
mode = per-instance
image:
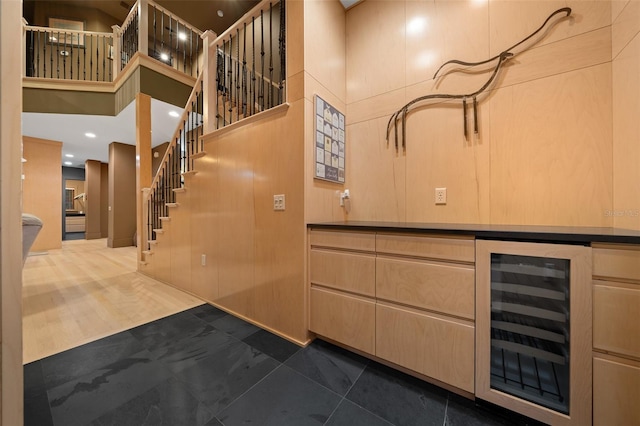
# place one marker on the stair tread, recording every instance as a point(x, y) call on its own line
point(198, 155)
point(179, 190)
point(166, 218)
point(189, 173)
point(172, 204)
point(152, 242)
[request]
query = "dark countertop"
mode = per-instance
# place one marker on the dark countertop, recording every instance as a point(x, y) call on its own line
point(554, 234)
point(73, 214)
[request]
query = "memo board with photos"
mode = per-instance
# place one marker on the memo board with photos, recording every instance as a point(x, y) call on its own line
point(329, 141)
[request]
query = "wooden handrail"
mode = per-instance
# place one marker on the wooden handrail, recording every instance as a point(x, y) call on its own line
point(64, 31)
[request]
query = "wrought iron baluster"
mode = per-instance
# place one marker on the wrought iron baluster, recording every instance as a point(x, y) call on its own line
point(238, 101)
point(270, 55)
point(261, 95)
point(104, 58)
point(217, 86)
point(253, 64)
point(155, 29)
point(184, 52)
point(196, 55)
point(91, 58)
point(162, 33)
point(97, 60)
point(230, 80)
point(170, 38)
point(283, 51)
point(31, 55)
point(78, 51)
point(58, 56)
point(191, 52)
point(244, 71)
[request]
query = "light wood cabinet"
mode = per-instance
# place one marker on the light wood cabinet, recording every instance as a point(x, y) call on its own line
point(435, 346)
point(352, 272)
point(342, 292)
point(439, 287)
point(616, 388)
point(343, 318)
point(406, 299)
point(616, 335)
point(74, 223)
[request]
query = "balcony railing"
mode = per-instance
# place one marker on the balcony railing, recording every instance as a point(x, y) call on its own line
point(149, 28)
point(68, 55)
point(250, 64)
point(152, 29)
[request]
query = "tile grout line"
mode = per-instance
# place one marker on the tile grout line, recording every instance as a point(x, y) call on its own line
point(446, 407)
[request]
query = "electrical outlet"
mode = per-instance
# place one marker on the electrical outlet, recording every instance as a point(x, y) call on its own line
point(441, 195)
point(278, 202)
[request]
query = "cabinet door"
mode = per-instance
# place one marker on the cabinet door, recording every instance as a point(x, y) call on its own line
point(359, 241)
point(460, 249)
point(428, 344)
point(616, 318)
point(343, 318)
point(440, 287)
point(352, 272)
point(616, 388)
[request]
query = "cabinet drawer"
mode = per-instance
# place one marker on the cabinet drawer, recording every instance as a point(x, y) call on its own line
point(439, 287)
point(343, 318)
point(621, 262)
point(433, 346)
point(343, 270)
point(616, 387)
point(616, 318)
point(456, 249)
point(362, 241)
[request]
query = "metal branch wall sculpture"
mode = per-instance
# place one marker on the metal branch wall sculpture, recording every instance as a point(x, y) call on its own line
point(400, 116)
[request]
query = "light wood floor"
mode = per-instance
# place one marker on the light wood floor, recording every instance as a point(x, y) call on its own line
point(86, 291)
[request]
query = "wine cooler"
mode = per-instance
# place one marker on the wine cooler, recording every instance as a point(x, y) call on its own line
point(533, 329)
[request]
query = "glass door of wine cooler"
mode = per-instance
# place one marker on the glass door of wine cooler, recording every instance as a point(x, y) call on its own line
point(530, 329)
point(533, 314)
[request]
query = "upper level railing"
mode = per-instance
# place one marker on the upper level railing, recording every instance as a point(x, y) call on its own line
point(251, 64)
point(68, 55)
point(162, 35)
point(64, 54)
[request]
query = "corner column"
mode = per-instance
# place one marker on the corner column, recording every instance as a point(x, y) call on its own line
point(209, 88)
point(143, 166)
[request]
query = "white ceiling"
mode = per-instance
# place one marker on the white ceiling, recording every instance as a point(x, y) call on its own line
point(70, 129)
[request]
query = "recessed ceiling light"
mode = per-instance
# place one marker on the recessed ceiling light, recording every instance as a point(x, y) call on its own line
point(68, 163)
point(164, 56)
point(182, 36)
point(174, 114)
point(69, 155)
point(90, 135)
point(220, 13)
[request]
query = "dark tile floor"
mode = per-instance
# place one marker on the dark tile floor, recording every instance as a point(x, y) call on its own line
point(205, 367)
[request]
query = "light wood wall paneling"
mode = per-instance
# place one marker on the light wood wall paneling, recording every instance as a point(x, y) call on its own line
point(368, 48)
point(616, 7)
point(11, 374)
point(41, 189)
point(204, 226)
point(104, 200)
point(375, 174)
point(180, 229)
point(161, 257)
point(626, 132)
point(625, 27)
point(551, 150)
point(326, 45)
point(511, 21)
